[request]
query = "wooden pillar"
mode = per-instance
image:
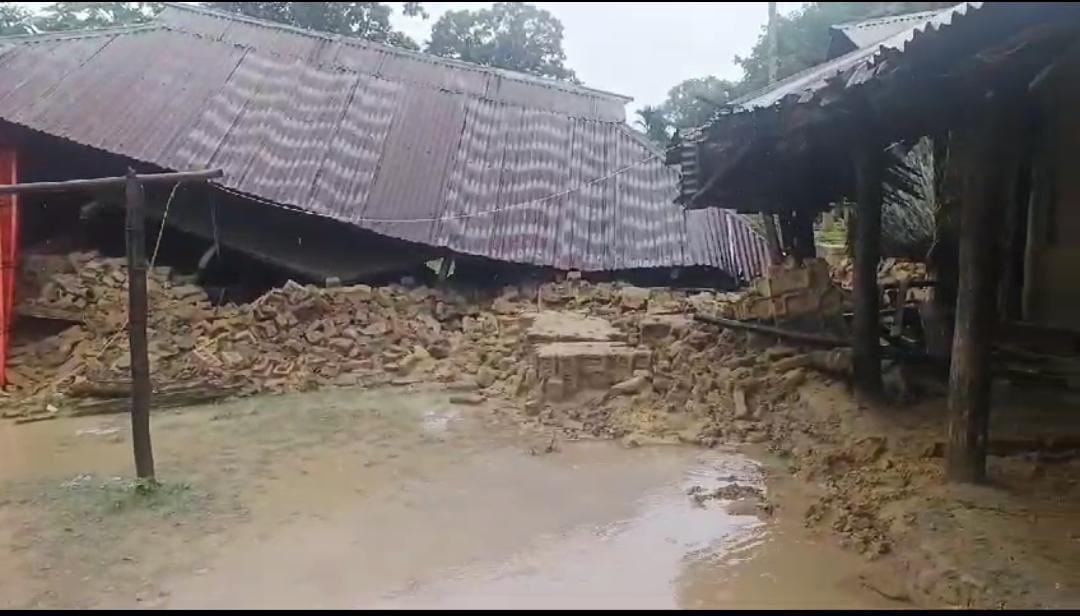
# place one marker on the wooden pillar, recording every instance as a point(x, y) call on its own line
point(869, 160)
point(772, 238)
point(137, 308)
point(982, 202)
point(939, 313)
point(1016, 185)
point(1036, 228)
point(803, 229)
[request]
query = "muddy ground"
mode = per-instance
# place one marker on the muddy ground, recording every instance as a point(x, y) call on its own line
point(559, 478)
point(398, 498)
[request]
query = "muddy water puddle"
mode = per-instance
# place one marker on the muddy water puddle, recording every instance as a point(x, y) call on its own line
point(401, 500)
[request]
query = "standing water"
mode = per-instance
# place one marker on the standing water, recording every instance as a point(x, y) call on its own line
point(414, 503)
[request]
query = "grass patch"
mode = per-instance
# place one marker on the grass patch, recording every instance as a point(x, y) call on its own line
point(108, 499)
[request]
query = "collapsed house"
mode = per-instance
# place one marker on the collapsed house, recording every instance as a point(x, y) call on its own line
point(346, 159)
point(993, 81)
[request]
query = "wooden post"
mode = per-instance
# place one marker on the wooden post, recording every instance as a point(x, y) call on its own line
point(444, 269)
point(982, 201)
point(136, 252)
point(938, 314)
point(866, 352)
point(773, 44)
point(802, 228)
point(137, 309)
point(772, 237)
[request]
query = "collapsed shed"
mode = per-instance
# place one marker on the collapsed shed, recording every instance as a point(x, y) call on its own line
point(994, 81)
point(344, 158)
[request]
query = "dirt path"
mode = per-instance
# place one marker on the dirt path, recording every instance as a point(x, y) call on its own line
point(370, 499)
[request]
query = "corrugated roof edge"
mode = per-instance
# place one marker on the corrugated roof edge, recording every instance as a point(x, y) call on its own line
point(866, 23)
point(78, 34)
point(869, 56)
point(349, 40)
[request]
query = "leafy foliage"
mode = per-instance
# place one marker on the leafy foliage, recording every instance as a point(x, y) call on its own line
point(803, 41)
point(653, 123)
point(510, 35)
point(911, 198)
point(689, 104)
point(367, 20)
point(14, 19)
point(694, 101)
point(803, 36)
point(80, 15)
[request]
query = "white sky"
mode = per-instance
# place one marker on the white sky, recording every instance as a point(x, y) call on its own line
point(641, 49)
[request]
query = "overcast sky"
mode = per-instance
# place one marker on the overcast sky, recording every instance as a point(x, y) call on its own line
point(641, 49)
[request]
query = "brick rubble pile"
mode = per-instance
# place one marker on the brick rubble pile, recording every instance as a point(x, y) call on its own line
point(292, 338)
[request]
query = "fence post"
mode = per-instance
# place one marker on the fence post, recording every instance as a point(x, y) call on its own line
point(137, 309)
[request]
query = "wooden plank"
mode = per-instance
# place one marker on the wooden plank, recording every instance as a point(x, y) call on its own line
point(817, 339)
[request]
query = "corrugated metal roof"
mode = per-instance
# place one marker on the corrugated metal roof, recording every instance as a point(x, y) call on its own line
point(870, 31)
point(394, 63)
point(722, 239)
point(818, 85)
point(852, 68)
point(362, 133)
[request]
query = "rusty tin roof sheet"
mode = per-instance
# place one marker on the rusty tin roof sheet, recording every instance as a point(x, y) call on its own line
point(478, 160)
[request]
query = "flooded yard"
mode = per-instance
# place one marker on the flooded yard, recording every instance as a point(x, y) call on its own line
point(349, 499)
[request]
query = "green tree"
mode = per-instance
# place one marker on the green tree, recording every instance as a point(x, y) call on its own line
point(803, 36)
point(654, 124)
point(14, 19)
point(511, 35)
point(694, 101)
point(367, 20)
point(689, 104)
point(80, 15)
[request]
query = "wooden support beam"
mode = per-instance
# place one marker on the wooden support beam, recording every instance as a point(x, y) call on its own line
point(982, 201)
point(808, 338)
point(99, 183)
point(869, 161)
point(816, 339)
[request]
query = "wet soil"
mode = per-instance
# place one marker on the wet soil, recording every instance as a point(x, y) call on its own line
point(393, 498)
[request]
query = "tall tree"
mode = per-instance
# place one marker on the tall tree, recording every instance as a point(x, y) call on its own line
point(14, 19)
point(652, 121)
point(80, 15)
point(803, 36)
point(694, 101)
point(689, 104)
point(510, 35)
point(367, 20)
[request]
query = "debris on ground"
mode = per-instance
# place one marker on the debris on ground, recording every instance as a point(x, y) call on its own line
point(729, 492)
point(580, 360)
point(292, 338)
